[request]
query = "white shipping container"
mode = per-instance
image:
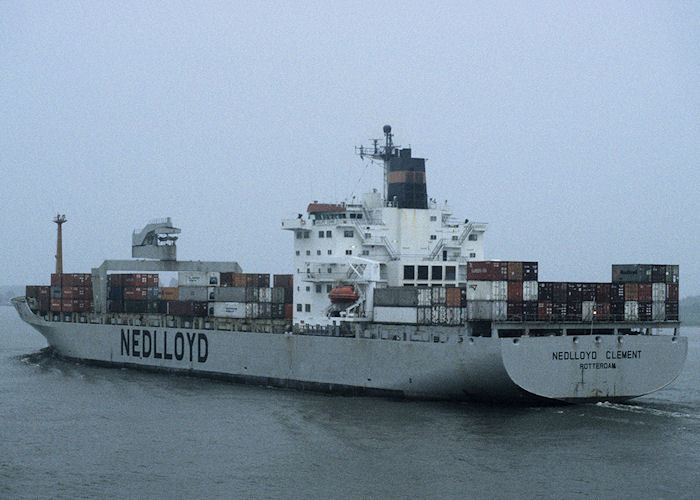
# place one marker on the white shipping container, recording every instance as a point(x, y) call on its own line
point(439, 295)
point(424, 297)
point(658, 310)
point(252, 310)
point(529, 291)
point(228, 309)
point(658, 292)
point(425, 315)
point(265, 294)
point(192, 278)
point(454, 316)
point(213, 278)
point(632, 310)
point(211, 293)
point(500, 308)
point(479, 290)
point(403, 315)
point(479, 310)
point(587, 308)
point(500, 290)
point(198, 293)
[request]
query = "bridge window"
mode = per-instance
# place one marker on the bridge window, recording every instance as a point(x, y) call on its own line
point(320, 234)
point(409, 272)
point(349, 234)
point(433, 237)
point(348, 252)
point(473, 237)
point(298, 307)
point(436, 273)
point(329, 234)
point(422, 272)
point(307, 308)
point(450, 273)
point(318, 288)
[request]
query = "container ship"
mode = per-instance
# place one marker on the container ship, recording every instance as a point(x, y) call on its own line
point(390, 296)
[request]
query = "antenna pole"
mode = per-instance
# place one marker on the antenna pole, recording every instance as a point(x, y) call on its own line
point(59, 220)
point(384, 153)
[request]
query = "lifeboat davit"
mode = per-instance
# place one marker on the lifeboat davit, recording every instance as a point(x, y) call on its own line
point(343, 295)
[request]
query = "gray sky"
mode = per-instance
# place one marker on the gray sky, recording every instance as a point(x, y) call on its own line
point(572, 129)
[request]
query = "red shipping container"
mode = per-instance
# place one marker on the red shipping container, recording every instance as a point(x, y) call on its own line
point(644, 292)
point(84, 306)
point(55, 305)
point(44, 303)
point(69, 292)
point(544, 311)
point(44, 291)
point(588, 291)
point(135, 293)
point(56, 280)
point(514, 311)
point(288, 311)
point(515, 291)
point(672, 292)
point(602, 292)
point(69, 305)
point(283, 280)
point(631, 291)
point(515, 271)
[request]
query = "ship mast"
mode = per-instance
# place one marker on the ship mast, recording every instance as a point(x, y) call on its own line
point(59, 220)
point(383, 153)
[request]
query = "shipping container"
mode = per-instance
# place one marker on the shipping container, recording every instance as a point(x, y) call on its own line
point(191, 293)
point(658, 311)
point(252, 310)
point(135, 306)
point(672, 293)
point(631, 310)
point(180, 308)
point(559, 292)
point(454, 316)
point(169, 293)
point(573, 292)
point(69, 305)
point(438, 295)
point(602, 292)
point(544, 291)
point(530, 271)
point(645, 311)
point(617, 311)
point(544, 311)
point(56, 280)
point(515, 271)
point(645, 292)
point(213, 278)
point(115, 293)
point(588, 291)
point(156, 306)
point(631, 291)
point(658, 292)
point(453, 297)
point(76, 279)
point(278, 296)
point(229, 294)
point(395, 314)
point(479, 310)
point(288, 311)
point(514, 310)
point(602, 311)
point(135, 293)
point(587, 310)
point(251, 294)
point(283, 280)
point(424, 297)
point(265, 294)
point(200, 308)
point(192, 278)
point(658, 274)
point(56, 292)
point(227, 309)
point(574, 311)
point(631, 273)
point(672, 273)
point(530, 311)
point(44, 303)
point(55, 305)
point(425, 315)
point(153, 293)
point(515, 291)
point(396, 297)
point(487, 271)
point(558, 311)
point(226, 279)
point(671, 311)
point(617, 292)
point(439, 315)
point(530, 289)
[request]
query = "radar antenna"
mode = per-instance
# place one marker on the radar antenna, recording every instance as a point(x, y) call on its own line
point(384, 153)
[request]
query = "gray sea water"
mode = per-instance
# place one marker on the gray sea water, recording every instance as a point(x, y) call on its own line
point(73, 430)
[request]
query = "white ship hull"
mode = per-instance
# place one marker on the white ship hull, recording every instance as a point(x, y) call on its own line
point(565, 368)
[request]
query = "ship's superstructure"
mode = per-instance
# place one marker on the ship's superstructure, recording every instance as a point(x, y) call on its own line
point(409, 238)
point(391, 296)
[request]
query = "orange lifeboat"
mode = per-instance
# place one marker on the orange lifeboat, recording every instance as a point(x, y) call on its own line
point(343, 295)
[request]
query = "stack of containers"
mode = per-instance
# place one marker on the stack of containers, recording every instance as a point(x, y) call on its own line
point(649, 291)
point(419, 305)
point(39, 297)
point(286, 282)
point(242, 296)
point(71, 292)
point(134, 293)
point(522, 291)
point(487, 290)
